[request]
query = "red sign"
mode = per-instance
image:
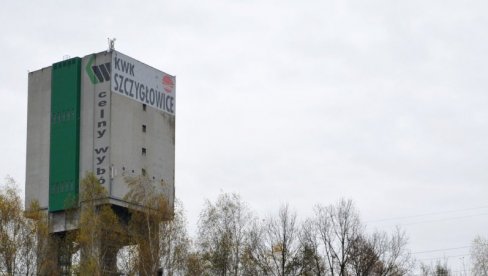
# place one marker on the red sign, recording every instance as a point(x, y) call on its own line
point(168, 84)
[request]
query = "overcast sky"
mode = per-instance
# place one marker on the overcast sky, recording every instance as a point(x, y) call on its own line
point(383, 101)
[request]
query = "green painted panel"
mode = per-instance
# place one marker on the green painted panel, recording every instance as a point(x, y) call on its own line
point(65, 134)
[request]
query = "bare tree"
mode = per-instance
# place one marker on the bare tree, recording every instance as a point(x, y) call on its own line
point(394, 257)
point(222, 231)
point(437, 269)
point(339, 229)
point(348, 250)
point(255, 256)
point(381, 254)
point(274, 246)
point(364, 259)
point(282, 237)
point(312, 262)
point(479, 256)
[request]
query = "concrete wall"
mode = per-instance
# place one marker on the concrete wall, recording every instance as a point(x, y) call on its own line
point(125, 138)
point(38, 135)
point(128, 139)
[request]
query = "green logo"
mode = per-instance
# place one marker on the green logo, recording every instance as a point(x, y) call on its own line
point(97, 73)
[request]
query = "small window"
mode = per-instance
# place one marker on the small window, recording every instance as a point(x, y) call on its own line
point(144, 107)
point(143, 128)
point(143, 151)
point(143, 171)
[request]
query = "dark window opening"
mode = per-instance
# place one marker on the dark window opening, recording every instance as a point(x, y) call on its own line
point(143, 128)
point(144, 151)
point(144, 107)
point(143, 172)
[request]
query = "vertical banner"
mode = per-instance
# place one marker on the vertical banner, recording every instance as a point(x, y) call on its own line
point(101, 160)
point(98, 70)
point(65, 135)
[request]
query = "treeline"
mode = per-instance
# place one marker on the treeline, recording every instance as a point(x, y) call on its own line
point(231, 240)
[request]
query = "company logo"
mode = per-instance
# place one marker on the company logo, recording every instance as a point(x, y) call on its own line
point(97, 73)
point(168, 84)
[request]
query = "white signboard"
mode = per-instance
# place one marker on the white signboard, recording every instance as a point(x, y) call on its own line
point(143, 83)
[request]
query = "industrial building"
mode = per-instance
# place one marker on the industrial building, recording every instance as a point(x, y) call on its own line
point(104, 113)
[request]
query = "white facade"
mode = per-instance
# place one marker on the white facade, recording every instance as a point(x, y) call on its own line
point(38, 127)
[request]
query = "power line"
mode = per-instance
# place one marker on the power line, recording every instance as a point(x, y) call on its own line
point(458, 272)
point(443, 249)
point(444, 257)
point(427, 214)
point(444, 219)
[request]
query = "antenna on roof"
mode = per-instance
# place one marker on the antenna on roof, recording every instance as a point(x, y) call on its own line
point(111, 44)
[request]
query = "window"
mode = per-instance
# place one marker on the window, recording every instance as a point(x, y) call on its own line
point(143, 171)
point(143, 128)
point(143, 151)
point(144, 107)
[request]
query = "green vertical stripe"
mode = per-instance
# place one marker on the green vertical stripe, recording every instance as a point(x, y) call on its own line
point(65, 134)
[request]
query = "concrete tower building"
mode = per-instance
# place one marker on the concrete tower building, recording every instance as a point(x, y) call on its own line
point(104, 113)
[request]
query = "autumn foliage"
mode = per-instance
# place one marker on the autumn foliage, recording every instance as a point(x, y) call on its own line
point(150, 238)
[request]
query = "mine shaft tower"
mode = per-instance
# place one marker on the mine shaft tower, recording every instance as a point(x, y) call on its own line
point(105, 113)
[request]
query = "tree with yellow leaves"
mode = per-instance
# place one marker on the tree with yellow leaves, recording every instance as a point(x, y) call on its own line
point(100, 234)
point(158, 231)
